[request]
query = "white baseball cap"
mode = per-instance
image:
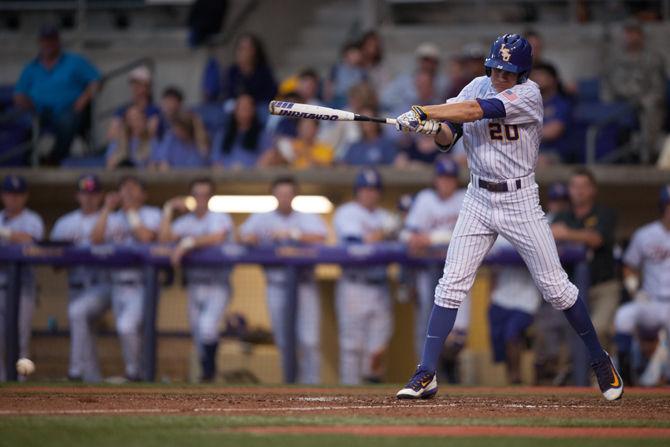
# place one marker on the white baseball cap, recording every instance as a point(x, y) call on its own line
point(141, 74)
point(427, 50)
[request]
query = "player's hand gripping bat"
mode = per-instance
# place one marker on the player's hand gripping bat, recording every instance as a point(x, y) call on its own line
point(309, 111)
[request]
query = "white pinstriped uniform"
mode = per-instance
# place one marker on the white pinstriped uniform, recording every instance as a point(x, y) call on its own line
point(89, 293)
point(503, 150)
point(648, 252)
point(208, 288)
point(362, 301)
point(29, 222)
point(308, 317)
point(128, 287)
point(430, 214)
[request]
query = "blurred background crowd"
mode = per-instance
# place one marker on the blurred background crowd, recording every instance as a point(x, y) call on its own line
point(617, 116)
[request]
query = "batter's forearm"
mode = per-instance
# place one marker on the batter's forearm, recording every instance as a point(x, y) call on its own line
point(445, 136)
point(457, 112)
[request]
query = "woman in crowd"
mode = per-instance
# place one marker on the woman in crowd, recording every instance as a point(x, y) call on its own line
point(373, 148)
point(185, 145)
point(251, 72)
point(242, 141)
point(133, 146)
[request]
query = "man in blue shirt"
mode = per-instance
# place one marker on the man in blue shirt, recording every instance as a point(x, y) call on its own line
point(58, 86)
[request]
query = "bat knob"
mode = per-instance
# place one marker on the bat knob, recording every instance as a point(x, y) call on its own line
point(271, 107)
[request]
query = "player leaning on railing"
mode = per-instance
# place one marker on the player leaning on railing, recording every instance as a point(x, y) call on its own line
point(499, 117)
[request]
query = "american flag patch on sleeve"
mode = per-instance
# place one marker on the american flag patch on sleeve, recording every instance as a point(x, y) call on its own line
point(509, 94)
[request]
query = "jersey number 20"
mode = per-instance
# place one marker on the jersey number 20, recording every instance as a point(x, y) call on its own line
point(511, 131)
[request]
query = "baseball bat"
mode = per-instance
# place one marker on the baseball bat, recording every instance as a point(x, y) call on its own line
point(311, 112)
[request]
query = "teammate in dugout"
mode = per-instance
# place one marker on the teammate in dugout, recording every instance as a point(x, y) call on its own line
point(208, 287)
point(133, 223)
point(648, 256)
point(88, 286)
point(514, 302)
point(499, 117)
point(18, 225)
point(362, 300)
point(431, 221)
point(285, 226)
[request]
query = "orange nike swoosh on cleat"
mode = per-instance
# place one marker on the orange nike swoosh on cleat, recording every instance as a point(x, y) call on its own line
point(425, 384)
point(616, 383)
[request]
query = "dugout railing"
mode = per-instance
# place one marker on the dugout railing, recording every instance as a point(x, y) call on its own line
point(153, 258)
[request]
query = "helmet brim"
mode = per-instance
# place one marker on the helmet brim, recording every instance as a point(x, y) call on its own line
point(492, 62)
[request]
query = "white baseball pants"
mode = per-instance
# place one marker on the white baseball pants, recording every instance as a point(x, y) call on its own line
point(518, 217)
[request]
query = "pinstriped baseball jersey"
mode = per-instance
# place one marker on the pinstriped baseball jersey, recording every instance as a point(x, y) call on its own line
point(503, 148)
point(76, 227)
point(266, 225)
point(429, 212)
point(649, 252)
point(211, 223)
point(29, 222)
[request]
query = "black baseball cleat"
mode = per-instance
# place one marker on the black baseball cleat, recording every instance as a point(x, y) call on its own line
point(609, 380)
point(422, 385)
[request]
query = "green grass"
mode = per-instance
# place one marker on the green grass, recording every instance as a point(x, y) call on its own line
point(208, 430)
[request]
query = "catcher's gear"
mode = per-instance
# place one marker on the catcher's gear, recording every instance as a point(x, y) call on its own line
point(513, 53)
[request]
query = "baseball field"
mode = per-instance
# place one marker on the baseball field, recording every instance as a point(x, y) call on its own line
point(179, 415)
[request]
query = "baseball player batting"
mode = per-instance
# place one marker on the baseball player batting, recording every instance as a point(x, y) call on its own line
point(499, 117)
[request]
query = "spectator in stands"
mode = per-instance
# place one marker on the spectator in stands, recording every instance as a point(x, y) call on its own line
point(417, 151)
point(636, 74)
point(303, 151)
point(58, 86)
point(139, 80)
point(308, 87)
point(372, 55)
point(373, 148)
point(184, 146)
point(555, 145)
point(242, 141)
point(88, 286)
point(347, 73)
point(251, 73)
point(343, 134)
point(172, 102)
point(126, 220)
point(211, 110)
point(514, 302)
point(593, 225)
point(285, 226)
point(18, 225)
point(537, 44)
point(134, 144)
point(401, 91)
point(469, 66)
point(208, 287)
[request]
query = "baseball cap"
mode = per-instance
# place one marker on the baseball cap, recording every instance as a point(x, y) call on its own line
point(428, 50)
point(446, 166)
point(368, 178)
point(14, 184)
point(49, 31)
point(558, 191)
point(140, 74)
point(89, 183)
